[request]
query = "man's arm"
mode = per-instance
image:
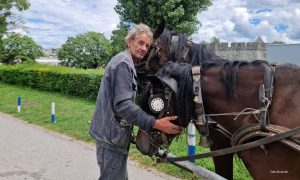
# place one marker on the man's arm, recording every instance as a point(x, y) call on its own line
point(122, 93)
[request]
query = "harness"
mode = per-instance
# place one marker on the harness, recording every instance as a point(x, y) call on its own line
point(265, 96)
point(187, 46)
point(242, 139)
point(242, 147)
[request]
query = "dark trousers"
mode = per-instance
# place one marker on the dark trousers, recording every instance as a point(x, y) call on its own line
point(113, 165)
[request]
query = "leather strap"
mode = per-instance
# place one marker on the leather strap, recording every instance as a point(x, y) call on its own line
point(267, 94)
point(239, 148)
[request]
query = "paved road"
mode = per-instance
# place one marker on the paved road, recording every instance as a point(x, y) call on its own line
point(32, 153)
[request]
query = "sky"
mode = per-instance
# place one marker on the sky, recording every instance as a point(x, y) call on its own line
point(50, 23)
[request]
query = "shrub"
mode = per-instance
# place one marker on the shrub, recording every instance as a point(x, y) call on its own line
point(76, 82)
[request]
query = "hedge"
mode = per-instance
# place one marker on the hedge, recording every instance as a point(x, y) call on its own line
point(71, 81)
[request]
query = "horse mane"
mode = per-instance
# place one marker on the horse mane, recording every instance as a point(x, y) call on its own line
point(198, 53)
point(229, 70)
point(175, 51)
point(182, 73)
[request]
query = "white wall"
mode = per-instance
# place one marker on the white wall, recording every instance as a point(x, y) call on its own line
point(48, 60)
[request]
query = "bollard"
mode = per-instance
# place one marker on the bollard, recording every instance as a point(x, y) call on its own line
point(53, 112)
point(191, 140)
point(19, 104)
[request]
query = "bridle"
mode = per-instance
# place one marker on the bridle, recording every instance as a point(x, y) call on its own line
point(158, 103)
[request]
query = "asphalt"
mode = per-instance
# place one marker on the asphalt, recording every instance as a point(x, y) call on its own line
point(29, 152)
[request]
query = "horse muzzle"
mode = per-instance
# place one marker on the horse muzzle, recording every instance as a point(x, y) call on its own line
point(148, 143)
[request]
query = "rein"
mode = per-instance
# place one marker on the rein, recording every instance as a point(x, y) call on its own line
point(239, 148)
point(253, 112)
point(265, 95)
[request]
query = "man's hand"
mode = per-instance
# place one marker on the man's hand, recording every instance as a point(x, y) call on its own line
point(166, 126)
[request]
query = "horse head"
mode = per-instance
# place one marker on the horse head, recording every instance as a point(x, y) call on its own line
point(168, 90)
point(149, 64)
point(168, 46)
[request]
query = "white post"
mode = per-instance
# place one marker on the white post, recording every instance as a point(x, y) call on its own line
point(191, 140)
point(53, 112)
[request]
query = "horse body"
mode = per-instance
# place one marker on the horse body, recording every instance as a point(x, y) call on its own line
point(285, 104)
point(275, 160)
point(231, 87)
point(217, 100)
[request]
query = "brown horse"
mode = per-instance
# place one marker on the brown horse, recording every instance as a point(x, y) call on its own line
point(234, 87)
point(169, 46)
point(229, 87)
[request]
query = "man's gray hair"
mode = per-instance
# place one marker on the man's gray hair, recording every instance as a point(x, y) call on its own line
point(138, 29)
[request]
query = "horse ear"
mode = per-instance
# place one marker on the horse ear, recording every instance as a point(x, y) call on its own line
point(160, 29)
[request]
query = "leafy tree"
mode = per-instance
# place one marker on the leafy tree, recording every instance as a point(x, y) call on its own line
point(19, 48)
point(89, 50)
point(8, 16)
point(180, 15)
point(118, 38)
point(215, 41)
point(278, 42)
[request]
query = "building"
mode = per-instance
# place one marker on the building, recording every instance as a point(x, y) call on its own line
point(258, 50)
point(283, 53)
point(246, 51)
point(51, 52)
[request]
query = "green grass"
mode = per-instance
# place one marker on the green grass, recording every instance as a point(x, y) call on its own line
point(72, 116)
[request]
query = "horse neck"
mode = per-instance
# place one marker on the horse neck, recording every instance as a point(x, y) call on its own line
point(246, 92)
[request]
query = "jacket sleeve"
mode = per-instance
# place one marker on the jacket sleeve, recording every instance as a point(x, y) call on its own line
point(122, 98)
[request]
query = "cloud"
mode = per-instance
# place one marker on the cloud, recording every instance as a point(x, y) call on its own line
point(50, 23)
point(64, 18)
point(239, 20)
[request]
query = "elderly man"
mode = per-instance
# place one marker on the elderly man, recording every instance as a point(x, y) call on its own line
point(116, 111)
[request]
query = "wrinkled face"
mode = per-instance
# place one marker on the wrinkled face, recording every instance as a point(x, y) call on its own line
point(139, 46)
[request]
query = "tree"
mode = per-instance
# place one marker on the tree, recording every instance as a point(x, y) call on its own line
point(180, 15)
point(278, 42)
point(8, 16)
point(215, 41)
point(118, 38)
point(19, 48)
point(89, 50)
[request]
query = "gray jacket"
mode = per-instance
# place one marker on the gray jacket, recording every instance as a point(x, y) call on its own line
point(116, 101)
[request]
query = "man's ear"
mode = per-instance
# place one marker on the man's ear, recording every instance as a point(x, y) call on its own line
point(127, 43)
point(160, 29)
